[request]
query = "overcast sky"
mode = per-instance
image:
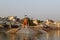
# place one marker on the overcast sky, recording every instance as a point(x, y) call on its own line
point(37, 9)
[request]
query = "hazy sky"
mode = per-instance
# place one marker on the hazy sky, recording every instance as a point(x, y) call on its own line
point(37, 9)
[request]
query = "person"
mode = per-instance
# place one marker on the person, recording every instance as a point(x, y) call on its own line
point(25, 21)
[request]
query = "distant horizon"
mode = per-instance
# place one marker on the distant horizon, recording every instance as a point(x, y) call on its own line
point(33, 18)
point(37, 9)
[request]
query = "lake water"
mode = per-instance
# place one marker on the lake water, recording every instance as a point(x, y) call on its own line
point(51, 35)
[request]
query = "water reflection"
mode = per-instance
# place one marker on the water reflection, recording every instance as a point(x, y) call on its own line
point(11, 36)
point(51, 35)
point(3, 36)
point(26, 34)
